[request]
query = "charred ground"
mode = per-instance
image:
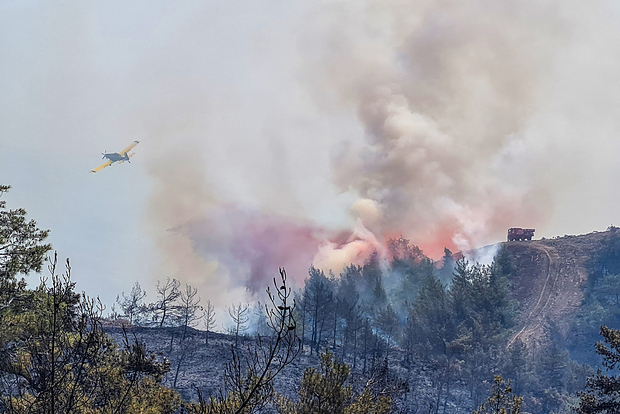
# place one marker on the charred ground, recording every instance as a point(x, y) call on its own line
point(550, 287)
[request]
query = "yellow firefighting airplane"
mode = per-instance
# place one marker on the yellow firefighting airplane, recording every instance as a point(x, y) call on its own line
point(119, 157)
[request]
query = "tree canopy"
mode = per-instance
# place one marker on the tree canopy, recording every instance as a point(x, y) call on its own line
point(21, 245)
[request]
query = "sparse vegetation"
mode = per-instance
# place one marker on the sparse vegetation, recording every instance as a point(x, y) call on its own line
point(56, 358)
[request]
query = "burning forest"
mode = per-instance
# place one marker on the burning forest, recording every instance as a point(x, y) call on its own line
point(362, 161)
point(448, 146)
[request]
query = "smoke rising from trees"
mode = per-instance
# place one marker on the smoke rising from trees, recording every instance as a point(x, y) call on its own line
point(443, 95)
point(338, 125)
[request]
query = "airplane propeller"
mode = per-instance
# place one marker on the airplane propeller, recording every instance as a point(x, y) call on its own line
point(103, 153)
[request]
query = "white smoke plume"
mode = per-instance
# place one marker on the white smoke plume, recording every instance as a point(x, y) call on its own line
point(466, 117)
point(288, 133)
point(444, 92)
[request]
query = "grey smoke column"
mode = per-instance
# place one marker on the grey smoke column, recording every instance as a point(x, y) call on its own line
point(444, 92)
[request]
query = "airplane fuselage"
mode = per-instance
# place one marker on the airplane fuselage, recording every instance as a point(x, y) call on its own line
point(115, 156)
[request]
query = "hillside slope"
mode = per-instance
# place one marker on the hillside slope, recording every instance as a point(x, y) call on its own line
point(548, 284)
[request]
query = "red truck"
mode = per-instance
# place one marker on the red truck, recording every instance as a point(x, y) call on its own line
point(519, 234)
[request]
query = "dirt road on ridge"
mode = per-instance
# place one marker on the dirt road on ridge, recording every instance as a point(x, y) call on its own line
point(548, 284)
point(534, 316)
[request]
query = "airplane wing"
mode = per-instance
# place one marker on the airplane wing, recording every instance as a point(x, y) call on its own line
point(133, 144)
point(102, 166)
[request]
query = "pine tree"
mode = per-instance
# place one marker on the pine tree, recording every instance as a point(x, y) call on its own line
point(350, 312)
point(447, 267)
point(502, 400)
point(516, 364)
point(431, 315)
point(387, 323)
point(460, 290)
point(132, 305)
point(167, 294)
point(240, 315)
point(318, 298)
point(373, 281)
point(209, 320)
point(328, 392)
point(602, 393)
point(21, 248)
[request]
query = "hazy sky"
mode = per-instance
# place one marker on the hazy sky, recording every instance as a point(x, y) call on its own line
point(287, 133)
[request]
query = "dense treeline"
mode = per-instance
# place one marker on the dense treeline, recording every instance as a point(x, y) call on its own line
point(451, 323)
point(402, 335)
point(448, 322)
point(441, 327)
